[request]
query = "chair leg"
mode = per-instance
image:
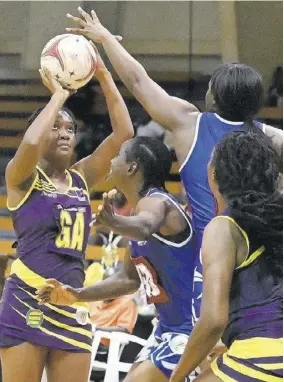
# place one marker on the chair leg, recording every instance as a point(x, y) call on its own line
point(112, 372)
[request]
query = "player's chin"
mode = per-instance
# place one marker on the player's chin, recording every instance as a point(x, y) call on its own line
point(64, 151)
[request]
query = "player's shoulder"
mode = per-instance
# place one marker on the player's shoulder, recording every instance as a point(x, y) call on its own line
point(276, 135)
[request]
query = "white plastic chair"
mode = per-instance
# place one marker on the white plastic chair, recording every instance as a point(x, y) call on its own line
point(116, 346)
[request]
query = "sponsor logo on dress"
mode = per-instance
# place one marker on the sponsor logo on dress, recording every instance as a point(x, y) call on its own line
point(34, 318)
point(82, 316)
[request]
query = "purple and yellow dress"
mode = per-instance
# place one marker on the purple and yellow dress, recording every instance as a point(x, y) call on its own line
point(254, 335)
point(52, 231)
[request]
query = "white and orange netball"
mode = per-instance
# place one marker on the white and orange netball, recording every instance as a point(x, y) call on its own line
point(70, 59)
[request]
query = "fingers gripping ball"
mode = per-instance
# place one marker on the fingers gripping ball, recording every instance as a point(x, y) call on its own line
point(70, 59)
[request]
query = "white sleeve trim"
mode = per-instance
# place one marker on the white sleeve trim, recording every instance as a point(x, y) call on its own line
point(193, 143)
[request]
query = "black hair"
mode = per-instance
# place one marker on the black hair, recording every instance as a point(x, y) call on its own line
point(40, 109)
point(247, 171)
point(238, 92)
point(153, 159)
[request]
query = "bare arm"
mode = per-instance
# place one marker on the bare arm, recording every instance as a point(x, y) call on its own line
point(96, 166)
point(150, 216)
point(22, 167)
point(219, 257)
point(124, 282)
point(170, 112)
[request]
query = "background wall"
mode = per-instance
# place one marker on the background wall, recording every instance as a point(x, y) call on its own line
point(172, 36)
point(260, 34)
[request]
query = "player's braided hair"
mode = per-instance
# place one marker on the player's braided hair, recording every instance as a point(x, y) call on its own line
point(154, 160)
point(247, 171)
point(40, 109)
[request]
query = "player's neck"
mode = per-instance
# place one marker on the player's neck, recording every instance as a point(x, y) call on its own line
point(53, 170)
point(132, 193)
point(221, 204)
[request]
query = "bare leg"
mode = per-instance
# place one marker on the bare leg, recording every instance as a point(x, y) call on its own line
point(68, 366)
point(208, 376)
point(145, 372)
point(24, 362)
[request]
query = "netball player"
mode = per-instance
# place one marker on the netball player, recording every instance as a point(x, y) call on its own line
point(161, 252)
point(242, 253)
point(49, 202)
point(233, 99)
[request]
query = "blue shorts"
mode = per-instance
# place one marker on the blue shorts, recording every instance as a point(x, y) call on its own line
point(165, 351)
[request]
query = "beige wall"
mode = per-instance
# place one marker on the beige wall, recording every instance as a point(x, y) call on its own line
point(14, 18)
point(260, 39)
point(157, 32)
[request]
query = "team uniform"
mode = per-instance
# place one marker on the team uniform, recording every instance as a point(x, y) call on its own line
point(165, 266)
point(254, 335)
point(52, 231)
point(210, 129)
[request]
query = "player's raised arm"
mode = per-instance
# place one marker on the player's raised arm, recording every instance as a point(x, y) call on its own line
point(150, 215)
point(96, 166)
point(125, 281)
point(170, 112)
point(22, 167)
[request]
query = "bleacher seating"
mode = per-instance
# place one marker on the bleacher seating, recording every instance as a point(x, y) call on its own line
point(21, 93)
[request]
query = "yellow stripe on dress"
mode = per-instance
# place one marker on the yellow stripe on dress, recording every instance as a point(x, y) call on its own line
point(36, 281)
point(81, 176)
point(25, 197)
point(55, 308)
point(236, 224)
point(59, 336)
point(81, 331)
point(224, 377)
point(256, 347)
point(252, 257)
point(247, 371)
point(249, 258)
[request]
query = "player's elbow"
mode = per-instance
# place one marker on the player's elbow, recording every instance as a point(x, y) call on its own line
point(218, 324)
point(134, 285)
point(128, 133)
point(145, 232)
point(138, 78)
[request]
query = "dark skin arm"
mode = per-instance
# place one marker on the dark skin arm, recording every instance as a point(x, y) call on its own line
point(219, 262)
point(20, 171)
point(173, 113)
point(96, 166)
point(124, 282)
point(150, 216)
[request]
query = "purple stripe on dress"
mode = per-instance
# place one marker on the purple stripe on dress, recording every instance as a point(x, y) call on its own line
point(266, 360)
point(248, 363)
point(14, 309)
point(233, 373)
point(12, 338)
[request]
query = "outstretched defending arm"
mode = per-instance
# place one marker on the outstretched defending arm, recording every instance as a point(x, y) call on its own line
point(123, 282)
point(170, 112)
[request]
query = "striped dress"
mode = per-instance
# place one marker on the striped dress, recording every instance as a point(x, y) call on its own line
point(255, 330)
point(52, 231)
